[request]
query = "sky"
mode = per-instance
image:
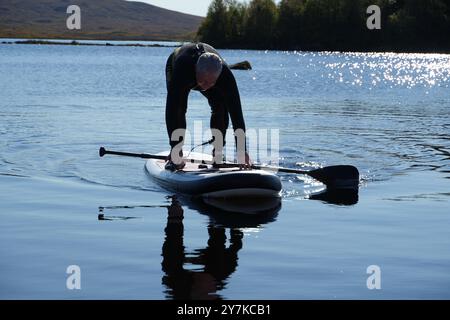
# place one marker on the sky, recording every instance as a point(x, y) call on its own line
point(197, 7)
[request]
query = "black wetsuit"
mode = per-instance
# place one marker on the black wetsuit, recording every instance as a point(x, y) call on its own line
point(223, 97)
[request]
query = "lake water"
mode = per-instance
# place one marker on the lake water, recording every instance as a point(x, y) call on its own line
point(61, 205)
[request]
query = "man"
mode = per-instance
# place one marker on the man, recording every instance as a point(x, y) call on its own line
point(200, 67)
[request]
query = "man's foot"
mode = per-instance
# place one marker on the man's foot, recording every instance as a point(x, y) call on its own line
point(174, 167)
point(216, 165)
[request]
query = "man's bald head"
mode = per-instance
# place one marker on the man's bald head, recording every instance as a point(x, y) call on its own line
point(208, 69)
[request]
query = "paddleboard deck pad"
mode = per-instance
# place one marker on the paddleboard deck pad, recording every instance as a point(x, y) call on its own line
point(214, 182)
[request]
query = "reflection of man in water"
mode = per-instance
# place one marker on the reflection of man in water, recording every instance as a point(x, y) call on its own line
point(216, 260)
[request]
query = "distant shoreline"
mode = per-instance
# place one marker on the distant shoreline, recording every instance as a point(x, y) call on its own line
point(78, 43)
point(164, 44)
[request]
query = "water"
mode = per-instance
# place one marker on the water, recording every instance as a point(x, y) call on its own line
point(61, 205)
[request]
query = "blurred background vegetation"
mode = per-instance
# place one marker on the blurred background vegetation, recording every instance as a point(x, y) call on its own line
point(406, 25)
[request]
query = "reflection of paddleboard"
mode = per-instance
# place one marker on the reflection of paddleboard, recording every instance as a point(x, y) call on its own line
point(207, 181)
point(236, 213)
point(245, 205)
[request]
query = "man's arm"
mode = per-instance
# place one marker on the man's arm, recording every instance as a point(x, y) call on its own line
point(233, 100)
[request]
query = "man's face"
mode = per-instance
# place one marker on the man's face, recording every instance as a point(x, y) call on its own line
point(205, 80)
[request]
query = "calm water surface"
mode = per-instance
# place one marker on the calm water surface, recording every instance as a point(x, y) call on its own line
point(60, 204)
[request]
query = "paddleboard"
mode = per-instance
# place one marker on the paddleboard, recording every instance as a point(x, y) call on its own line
point(209, 182)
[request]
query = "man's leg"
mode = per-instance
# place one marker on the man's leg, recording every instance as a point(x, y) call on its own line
point(175, 119)
point(219, 122)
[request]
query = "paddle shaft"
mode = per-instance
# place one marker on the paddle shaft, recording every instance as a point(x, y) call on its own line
point(103, 152)
point(286, 170)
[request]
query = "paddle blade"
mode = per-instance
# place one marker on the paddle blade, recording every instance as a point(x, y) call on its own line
point(337, 177)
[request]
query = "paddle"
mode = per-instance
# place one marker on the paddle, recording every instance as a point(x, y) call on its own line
point(334, 177)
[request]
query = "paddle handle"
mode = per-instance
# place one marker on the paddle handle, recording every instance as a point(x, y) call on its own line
point(243, 65)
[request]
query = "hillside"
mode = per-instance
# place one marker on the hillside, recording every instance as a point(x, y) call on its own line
point(100, 19)
point(329, 25)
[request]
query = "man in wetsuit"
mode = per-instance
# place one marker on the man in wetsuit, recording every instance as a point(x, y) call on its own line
point(200, 67)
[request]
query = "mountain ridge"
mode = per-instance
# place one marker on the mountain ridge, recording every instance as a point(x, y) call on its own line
point(100, 20)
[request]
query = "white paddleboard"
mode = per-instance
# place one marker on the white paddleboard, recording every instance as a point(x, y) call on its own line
point(210, 182)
